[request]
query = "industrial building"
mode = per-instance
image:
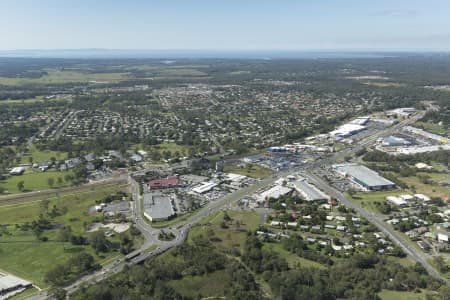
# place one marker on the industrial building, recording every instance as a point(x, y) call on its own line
point(364, 177)
point(423, 149)
point(397, 201)
point(308, 191)
point(171, 181)
point(394, 141)
point(403, 111)
point(427, 135)
point(360, 121)
point(204, 187)
point(274, 192)
point(157, 207)
point(10, 285)
point(347, 130)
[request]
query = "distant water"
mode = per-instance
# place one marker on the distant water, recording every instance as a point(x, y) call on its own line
point(192, 54)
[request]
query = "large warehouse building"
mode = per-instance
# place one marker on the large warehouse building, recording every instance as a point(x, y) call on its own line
point(308, 191)
point(364, 177)
point(10, 285)
point(347, 130)
point(157, 207)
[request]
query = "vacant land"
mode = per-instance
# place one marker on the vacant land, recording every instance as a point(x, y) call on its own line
point(234, 235)
point(22, 254)
point(431, 190)
point(41, 156)
point(60, 77)
point(212, 285)
point(396, 295)
point(251, 170)
point(35, 180)
point(433, 128)
point(292, 259)
point(368, 200)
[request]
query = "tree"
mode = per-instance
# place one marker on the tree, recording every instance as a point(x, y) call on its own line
point(64, 234)
point(21, 186)
point(80, 172)
point(440, 264)
point(99, 242)
point(44, 205)
point(56, 275)
point(57, 293)
point(51, 182)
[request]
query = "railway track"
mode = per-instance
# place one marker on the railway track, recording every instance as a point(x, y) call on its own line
point(45, 194)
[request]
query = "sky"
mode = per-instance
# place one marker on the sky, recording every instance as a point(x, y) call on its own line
point(225, 24)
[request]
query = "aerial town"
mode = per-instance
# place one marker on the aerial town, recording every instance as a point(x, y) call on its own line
point(232, 150)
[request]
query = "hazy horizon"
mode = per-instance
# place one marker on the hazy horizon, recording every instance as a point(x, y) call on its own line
point(287, 25)
point(209, 53)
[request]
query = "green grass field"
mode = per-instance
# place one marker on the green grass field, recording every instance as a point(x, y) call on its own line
point(396, 295)
point(292, 259)
point(60, 77)
point(24, 295)
point(35, 180)
point(367, 200)
point(431, 190)
point(212, 285)
point(232, 237)
point(41, 156)
point(255, 171)
point(183, 150)
point(22, 101)
point(20, 252)
point(172, 222)
point(433, 128)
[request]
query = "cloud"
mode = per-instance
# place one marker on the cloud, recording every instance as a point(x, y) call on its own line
point(396, 13)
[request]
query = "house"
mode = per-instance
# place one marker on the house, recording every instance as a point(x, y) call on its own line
point(442, 237)
point(89, 157)
point(341, 228)
point(44, 166)
point(412, 234)
point(292, 224)
point(423, 166)
point(17, 171)
point(315, 228)
point(136, 158)
point(422, 197)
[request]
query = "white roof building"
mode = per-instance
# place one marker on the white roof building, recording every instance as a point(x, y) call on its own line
point(10, 284)
point(396, 201)
point(204, 187)
point(17, 171)
point(275, 192)
point(422, 197)
point(443, 238)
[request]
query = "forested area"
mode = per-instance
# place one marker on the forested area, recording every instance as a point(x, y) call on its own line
point(361, 276)
point(151, 280)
